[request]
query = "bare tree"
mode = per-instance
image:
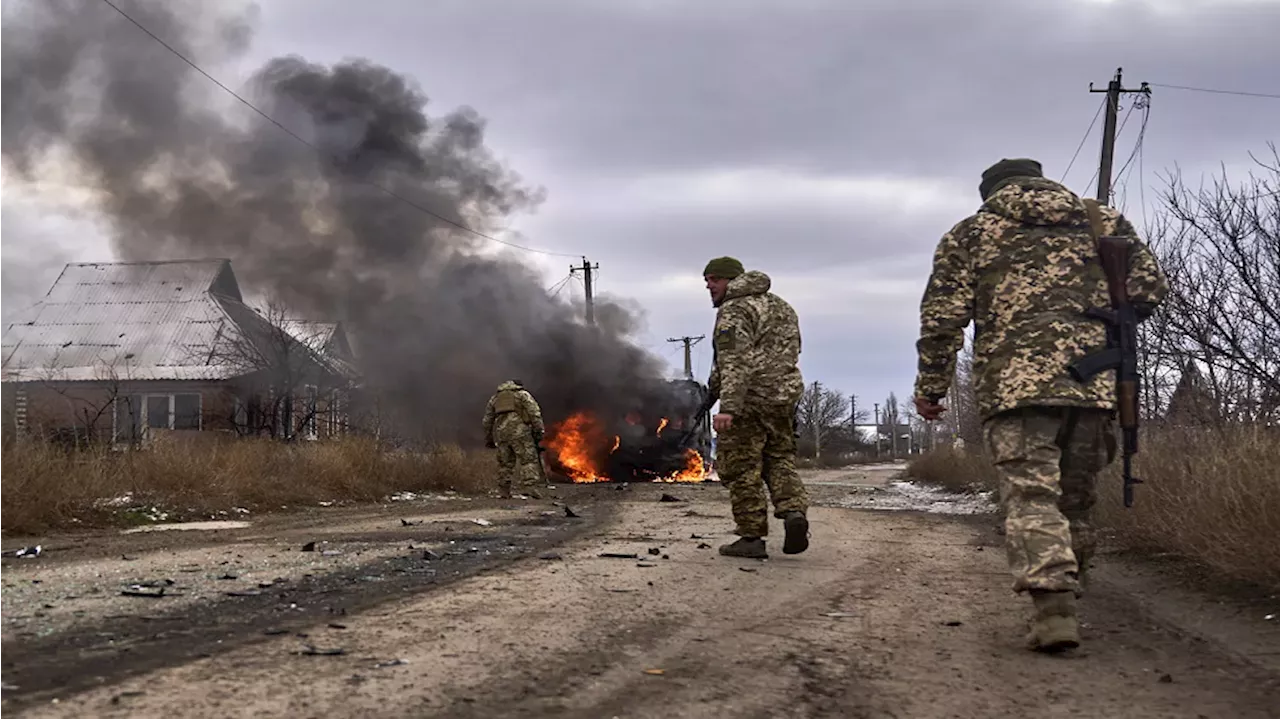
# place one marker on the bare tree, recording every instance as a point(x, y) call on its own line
point(821, 411)
point(963, 421)
point(1220, 247)
point(286, 383)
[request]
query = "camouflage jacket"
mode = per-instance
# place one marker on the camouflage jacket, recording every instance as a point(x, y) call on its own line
point(757, 347)
point(512, 403)
point(1023, 269)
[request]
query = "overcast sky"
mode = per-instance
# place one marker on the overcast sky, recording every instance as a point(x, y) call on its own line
point(828, 144)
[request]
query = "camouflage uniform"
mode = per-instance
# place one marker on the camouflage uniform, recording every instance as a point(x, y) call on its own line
point(1023, 269)
point(513, 425)
point(757, 380)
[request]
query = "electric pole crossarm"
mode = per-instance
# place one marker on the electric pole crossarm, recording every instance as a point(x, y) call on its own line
point(1114, 90)
point(689, 342)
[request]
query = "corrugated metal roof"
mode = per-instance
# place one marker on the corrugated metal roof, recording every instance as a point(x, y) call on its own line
point(152, 320)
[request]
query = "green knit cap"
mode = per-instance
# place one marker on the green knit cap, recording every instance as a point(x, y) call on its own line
point(726, 268)
point(1007, 169)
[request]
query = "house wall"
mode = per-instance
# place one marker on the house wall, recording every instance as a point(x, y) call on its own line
point(101, 411)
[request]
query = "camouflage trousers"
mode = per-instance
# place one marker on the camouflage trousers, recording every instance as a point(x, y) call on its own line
point(1048, 459)
point(758, 451)
point(519, 465)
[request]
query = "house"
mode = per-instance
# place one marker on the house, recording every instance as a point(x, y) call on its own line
point(129, 351)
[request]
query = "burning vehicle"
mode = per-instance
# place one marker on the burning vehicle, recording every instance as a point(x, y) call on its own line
point(664, 438)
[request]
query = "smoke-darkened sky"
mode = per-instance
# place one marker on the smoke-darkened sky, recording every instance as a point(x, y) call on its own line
point(828, 144)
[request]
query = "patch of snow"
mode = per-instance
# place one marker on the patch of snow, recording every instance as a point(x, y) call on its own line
point(188, 526)
point(907, 496)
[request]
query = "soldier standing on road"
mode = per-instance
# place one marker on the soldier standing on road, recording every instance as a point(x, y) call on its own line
point(756, 378)
point(513, 426)
point(1024, 268)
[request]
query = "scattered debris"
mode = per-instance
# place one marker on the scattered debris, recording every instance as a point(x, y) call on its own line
point(747, 569)
point(669, 498)
point(309, 650)
point(138, 590)
point(335, 625)
point(407, 523)
point(331, 552)
point(655, 551)
point(654, 672)
point(392, 663)
point(25, 552)
point(125, 695)
point(620, 591)
point(695, 536)
point(645, 564)
point(570, 513)
point(431, 556)
point(550, 556)
point(703, 545)
point(618, 555)
point(482, 522)
point(839, 615)
point(952, 623)
point(309, 547)
point(275, 632)
point(1166, 678)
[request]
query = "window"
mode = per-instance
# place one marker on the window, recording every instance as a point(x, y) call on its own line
point(136, 413)
point(186, 411)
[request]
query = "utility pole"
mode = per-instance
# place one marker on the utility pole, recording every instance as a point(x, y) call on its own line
point(1114, 90)
point(877, 430)
point(586, 269)
point(689, 342)
point(853, 418)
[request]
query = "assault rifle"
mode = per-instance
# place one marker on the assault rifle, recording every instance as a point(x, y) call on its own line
point(699, 419)
point(1121, 352)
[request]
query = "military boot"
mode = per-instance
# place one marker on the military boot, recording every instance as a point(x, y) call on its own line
point(797, 528)
point(748, 547)
point(1054, 627)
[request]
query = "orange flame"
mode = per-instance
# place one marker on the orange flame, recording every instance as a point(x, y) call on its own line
point(694, 469)
point(617, 440)
point(575, 442)
point(662, 425)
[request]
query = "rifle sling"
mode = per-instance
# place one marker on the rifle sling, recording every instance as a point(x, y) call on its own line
point(1095, 219)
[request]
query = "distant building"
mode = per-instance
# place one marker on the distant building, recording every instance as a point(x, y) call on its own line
point(130, 351)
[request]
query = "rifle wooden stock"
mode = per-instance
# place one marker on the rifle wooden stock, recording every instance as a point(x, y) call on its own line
point(1121, 352)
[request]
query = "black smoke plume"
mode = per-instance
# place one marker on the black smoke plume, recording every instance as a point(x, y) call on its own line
point(184, 171)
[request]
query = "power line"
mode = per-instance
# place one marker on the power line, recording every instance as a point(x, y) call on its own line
point(1082, 141)
point(1218, 92)
point(321, 152)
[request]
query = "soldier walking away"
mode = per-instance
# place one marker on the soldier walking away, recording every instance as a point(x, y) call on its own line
point(1025, 269)
point(758, 383)
point(513, 426)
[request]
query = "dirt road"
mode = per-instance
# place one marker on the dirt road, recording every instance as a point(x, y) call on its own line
point(890, 614)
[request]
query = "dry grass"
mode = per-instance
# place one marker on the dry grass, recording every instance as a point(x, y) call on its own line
point(1210, 496)
point(954, 469)
point(46, 487)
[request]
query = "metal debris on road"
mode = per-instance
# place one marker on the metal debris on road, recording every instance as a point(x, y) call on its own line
point(839, 615)
point(654, 672)
point(953, 623)
point(138, 590)
point(646, 564)
point(317, 652)
point(618, 555)
point(392, 663)
point(25, 552)
point(407, 523)
point(335, 625)
point(430, 556)
point(669, 498)
point(309, 547)
point(549, 556)
point(747, 569)
point(482, 522)
point(703, 545)
point(655, 551)
point(570, 513)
